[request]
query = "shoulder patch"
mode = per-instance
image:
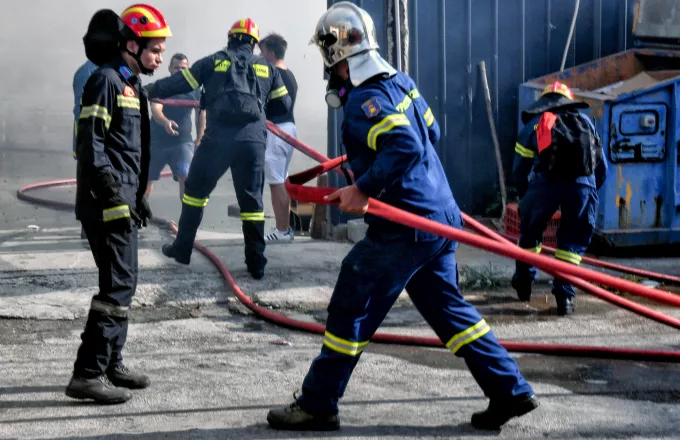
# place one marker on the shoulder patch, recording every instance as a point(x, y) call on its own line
point(125, 71)
point(128, 91)
point(371, 107)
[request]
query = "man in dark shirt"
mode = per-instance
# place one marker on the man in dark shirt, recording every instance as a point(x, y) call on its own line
point(171, 141)
point(279, 152)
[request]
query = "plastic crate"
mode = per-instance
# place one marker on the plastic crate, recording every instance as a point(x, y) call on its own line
point(512, 225)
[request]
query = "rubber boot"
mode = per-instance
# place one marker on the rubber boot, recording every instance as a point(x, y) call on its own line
point(498, 413)
point(523, 289)
point(170, 252)
point(98, 389)
point(565, 305)
point(294, 418)
point(121, 376)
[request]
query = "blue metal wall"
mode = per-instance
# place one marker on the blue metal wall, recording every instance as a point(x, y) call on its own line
point(518, 40)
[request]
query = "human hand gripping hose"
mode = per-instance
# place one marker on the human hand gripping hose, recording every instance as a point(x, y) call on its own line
point(495, 243)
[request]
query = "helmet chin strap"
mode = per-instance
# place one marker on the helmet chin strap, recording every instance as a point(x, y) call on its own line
point(138, 58)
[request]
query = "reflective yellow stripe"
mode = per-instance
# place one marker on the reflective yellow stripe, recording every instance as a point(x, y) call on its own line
point(115, 213)
point(524, 152)
point(277, 93)
point(404, 104)
point(414, 94)
point(535, 250)
point(252, 216)
point(261, 70)
point(96, 111)
point(193, 201)
point(127, 101)
point(429, 117)
point(567, 256)
point(470, 335)
point(190, 78)
point(343, 346)
point(385, 126)
point(222, 65)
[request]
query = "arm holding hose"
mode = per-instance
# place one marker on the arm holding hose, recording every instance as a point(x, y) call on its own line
point(382, 128)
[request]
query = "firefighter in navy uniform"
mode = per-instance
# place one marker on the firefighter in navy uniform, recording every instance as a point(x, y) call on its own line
point(558, 165)
point(389, 131)
point(113, 161)
point(238, 87)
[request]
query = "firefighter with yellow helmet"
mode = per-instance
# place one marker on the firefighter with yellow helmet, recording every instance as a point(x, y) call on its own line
point(113, 162)
point(558, 165)
point(238, 86)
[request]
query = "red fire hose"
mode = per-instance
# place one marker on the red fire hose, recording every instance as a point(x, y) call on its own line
point(504, 248)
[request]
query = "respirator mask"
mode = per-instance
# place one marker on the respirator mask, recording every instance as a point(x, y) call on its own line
point(337, 89)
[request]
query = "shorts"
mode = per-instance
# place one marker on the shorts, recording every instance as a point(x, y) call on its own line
point(178, 157)
point(278, 154)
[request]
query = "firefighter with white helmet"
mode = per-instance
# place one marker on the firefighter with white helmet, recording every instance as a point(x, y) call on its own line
point(389, 132)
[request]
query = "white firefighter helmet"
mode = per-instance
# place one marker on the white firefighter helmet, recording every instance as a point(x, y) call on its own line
point(345, 31)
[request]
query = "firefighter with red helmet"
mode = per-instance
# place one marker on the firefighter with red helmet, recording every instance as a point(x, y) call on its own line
point(558, 165)
point(238, 86)
point(113, 162)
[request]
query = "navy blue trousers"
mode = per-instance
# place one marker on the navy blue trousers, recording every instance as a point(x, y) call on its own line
point(577, 203)
point(372, 276)
point(211, 160)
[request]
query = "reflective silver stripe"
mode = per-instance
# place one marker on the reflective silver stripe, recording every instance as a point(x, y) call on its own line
point(109, 309)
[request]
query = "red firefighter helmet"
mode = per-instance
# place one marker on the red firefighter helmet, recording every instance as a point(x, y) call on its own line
point(558, 87)
point(246, 27)
point(146, 21)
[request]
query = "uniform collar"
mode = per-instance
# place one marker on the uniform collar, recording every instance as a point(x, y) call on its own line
point(120, 66)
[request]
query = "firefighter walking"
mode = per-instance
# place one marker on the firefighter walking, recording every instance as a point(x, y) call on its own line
point(389, 131)
point(113, 160)
point(558, 165)
point(238, 86)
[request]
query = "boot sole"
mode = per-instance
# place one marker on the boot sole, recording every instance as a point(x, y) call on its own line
point(318, 426)
point(522, 409)
point(84, 396)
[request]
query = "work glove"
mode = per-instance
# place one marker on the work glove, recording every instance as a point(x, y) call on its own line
point(143, 211)
point(118, 215)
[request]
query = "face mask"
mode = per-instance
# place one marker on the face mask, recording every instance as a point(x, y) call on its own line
point(337, 90)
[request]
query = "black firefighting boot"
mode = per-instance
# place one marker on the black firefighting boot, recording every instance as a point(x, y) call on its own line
point(121, 376)
point(565, 305)
point(523, 288)
point(499, 412)
point(100, 389)
point(294, 418)
point(171, 252)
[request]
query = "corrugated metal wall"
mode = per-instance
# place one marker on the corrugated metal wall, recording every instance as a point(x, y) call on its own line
point(518, 40)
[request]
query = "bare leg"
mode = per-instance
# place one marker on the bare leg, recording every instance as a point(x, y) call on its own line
point(181, 181)
point(281, 205)
point(149, 189)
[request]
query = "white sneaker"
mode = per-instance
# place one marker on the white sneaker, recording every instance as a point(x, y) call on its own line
point(276, 236)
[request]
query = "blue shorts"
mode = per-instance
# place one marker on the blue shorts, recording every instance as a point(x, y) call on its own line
point(177, 156)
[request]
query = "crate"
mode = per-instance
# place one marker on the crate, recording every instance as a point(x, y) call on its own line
point(512, 225)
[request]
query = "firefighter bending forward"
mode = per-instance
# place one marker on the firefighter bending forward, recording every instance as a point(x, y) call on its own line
point(389, 131)
point(238, 86)
point(113, 162)
point(558, 165)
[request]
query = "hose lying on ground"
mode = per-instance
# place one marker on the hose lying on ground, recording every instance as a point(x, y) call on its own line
point(315, 195)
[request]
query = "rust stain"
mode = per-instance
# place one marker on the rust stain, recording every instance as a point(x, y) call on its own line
point(629, 196)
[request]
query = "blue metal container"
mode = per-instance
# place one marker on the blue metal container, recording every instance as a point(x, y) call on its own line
point(634, 98)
